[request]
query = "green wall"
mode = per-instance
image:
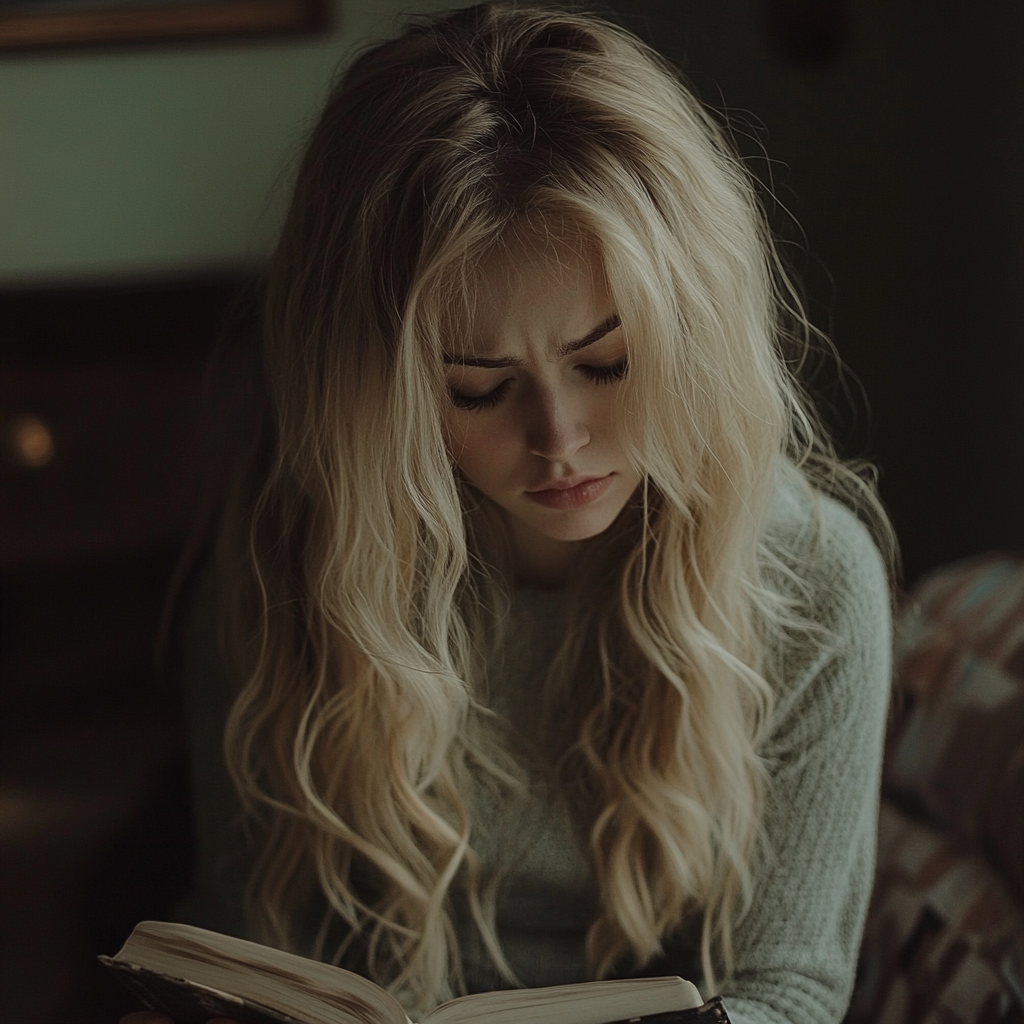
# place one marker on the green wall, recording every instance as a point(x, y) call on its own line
point(142, 161)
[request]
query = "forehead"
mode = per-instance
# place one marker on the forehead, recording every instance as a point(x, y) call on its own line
point(545, 288)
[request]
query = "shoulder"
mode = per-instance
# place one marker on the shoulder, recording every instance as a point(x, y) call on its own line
point(817, 549)
point(829, 577)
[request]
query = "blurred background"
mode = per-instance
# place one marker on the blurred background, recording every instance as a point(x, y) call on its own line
point(144, 165)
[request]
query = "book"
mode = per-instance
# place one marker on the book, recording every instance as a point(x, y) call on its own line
point(192, 974)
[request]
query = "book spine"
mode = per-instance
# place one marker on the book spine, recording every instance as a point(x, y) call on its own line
point(188, 1003)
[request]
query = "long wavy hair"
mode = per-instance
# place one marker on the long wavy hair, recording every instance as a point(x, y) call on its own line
point(366, 583)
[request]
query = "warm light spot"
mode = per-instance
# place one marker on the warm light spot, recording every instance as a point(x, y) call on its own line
point(31, 441)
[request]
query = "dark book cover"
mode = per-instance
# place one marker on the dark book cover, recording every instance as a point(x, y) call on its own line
point(185, 1002)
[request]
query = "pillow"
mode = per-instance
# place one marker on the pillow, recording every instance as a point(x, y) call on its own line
point(956, 753)
point(943, 942)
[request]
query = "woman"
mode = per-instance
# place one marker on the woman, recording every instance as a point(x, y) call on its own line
point(560, 651)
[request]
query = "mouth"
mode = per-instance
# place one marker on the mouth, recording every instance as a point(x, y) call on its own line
point(572, 492)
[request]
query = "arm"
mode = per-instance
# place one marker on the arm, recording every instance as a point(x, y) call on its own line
point(796, 950)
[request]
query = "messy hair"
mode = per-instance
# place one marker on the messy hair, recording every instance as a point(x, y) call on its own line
point(367, 590)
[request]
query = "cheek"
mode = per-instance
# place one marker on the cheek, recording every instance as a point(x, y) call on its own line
point(479, 448)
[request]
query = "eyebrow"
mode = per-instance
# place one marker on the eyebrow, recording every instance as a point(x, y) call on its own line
point(603, 328)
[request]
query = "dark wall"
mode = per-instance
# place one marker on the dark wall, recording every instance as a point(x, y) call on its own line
point(98, 487)
point(894, 131)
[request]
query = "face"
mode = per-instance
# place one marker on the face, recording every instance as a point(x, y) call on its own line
point(534, 386)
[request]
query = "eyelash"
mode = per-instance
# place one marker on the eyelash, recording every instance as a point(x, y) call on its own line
point(474, 403)
point(605, 374)
point(595, 374)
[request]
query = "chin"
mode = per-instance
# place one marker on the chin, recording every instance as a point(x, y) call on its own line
point(576, 528)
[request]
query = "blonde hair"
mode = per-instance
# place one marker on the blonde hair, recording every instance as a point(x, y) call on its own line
point(366, 596)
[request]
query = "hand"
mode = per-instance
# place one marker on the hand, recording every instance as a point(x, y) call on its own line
point(149, 1017)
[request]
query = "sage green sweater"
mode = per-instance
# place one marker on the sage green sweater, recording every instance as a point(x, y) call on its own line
point(796, 949)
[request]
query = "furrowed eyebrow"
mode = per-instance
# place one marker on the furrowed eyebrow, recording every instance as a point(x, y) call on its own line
point(603, 328)
point(490, 364)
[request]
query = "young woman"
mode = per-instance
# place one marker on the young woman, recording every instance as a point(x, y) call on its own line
point(556, 647)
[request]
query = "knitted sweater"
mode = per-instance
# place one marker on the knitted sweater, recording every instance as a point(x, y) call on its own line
point(796, 949)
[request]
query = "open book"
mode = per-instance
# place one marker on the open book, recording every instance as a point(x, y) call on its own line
point(192, 974)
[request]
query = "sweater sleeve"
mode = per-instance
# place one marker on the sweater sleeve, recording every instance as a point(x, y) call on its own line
point(797, 947)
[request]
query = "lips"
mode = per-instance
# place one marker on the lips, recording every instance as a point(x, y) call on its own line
point(571, 492)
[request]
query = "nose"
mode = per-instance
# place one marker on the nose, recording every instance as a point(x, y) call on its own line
point(556, 432)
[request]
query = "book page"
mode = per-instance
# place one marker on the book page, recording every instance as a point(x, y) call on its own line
point(592, 1002)
point(296, 986)
point(185, 1002)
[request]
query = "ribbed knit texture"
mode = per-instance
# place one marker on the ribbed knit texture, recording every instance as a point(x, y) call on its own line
point(796, 950)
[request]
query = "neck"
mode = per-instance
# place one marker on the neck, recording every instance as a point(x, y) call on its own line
point(541, 561)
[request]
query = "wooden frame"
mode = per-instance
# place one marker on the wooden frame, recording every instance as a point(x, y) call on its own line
point(72, 23)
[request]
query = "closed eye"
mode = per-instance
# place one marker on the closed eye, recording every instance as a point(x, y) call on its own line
point(605, 374)
point(596, 374)
point(485, 401)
